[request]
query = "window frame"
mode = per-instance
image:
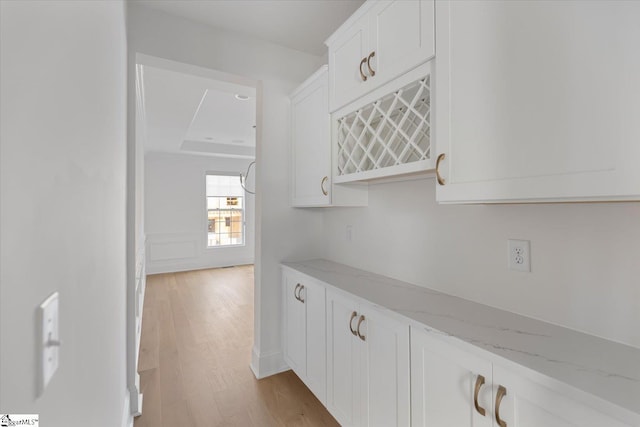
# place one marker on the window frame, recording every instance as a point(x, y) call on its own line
point(206, 213)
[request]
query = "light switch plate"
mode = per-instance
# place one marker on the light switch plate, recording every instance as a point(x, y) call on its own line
point(50, 333)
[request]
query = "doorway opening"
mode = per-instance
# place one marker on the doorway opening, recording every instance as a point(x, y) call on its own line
point(192, 199)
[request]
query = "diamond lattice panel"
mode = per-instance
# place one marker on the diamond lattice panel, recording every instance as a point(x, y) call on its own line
point(393, 130)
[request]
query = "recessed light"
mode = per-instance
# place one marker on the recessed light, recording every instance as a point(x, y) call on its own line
point(241, 97)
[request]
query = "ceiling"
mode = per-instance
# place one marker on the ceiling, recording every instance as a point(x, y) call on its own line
point(193, 114)
point(298, 24)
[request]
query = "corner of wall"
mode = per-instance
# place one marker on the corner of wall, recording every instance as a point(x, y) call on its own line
point(266, 365)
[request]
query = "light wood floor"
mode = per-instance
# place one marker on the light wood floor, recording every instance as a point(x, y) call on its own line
point(197, 335)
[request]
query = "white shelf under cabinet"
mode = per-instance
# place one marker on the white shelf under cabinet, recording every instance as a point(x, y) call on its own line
point(387, 133)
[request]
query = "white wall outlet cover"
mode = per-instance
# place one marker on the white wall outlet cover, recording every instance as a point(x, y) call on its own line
point(519, 255)
point(349, 233)
point(49, 340)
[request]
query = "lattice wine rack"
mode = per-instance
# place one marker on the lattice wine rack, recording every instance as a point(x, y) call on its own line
point(393, 131)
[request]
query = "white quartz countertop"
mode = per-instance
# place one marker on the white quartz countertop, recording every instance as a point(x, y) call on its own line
point(594, 365)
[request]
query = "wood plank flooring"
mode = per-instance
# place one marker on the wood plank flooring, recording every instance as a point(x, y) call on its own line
point(197, 334)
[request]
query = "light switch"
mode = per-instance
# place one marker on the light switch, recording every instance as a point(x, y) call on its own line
point(49, 340)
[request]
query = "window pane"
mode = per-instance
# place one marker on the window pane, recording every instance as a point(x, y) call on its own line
point(225, 211)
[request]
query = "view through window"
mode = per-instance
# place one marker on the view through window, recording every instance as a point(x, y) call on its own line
point(225, 211)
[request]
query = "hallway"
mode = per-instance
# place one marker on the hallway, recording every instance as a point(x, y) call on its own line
point(195, 351)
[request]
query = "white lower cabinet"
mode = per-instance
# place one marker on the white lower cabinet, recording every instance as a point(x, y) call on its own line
point(453, 388)
point(371, 369)
point(443, 385)
point(367, 364)
point(529, 404)
point(304, 330)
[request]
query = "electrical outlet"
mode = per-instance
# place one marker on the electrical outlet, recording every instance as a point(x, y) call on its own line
point(519, 255)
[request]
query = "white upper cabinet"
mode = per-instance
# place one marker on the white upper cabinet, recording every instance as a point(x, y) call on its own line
point(347, 63)
point(537, 101)
point(401, 37)
point(311, 181)
point(390, 135)
point(311, 148)
point(381, 41)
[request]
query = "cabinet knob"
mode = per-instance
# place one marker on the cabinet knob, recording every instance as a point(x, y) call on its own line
point(353, 316)
point(362, 76)
point(371, 71)
point(322, 183)
point(438, 177)
point(502, 392)
point(476, 391)
point(362, 337)
point(295, 291)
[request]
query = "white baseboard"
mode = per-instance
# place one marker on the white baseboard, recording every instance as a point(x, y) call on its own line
point(127, 418)
point(135, 399)
point(159, 268)
point(268, 364)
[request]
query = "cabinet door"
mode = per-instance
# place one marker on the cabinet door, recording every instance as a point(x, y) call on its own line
point(294, 326)
point(311, 144)
point(401, 35)
point(345, 54)
point(342, 361)
point(443, 380)
point(384, 365)
point(313, 295)
point(538, 100)
point(528, 404)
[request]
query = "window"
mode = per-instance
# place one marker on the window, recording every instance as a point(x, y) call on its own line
point(225, 211)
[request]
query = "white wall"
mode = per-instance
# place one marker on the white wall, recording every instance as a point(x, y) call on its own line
point(175, 210)
point(585, 257)
point(63, 160)
point(281, 232)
